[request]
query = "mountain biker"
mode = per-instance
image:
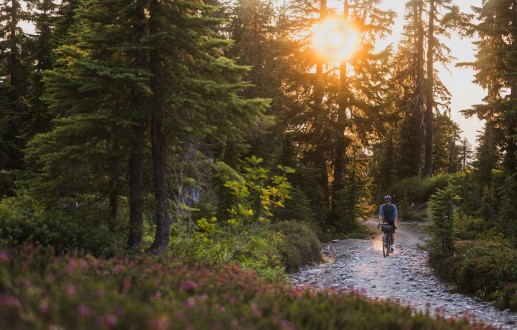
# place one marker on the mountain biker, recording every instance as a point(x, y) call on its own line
point(388, 213)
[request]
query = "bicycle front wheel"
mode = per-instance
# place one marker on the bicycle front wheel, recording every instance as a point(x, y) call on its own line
point(385, 246)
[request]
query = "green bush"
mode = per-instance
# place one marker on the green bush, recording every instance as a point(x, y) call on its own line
point(420, 189)
point(23, 221)
point(42, 291)
point(300, 246)
point(467, 227)
point(485, 268)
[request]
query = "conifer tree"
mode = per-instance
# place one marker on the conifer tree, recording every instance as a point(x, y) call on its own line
point(496, 62)
point(360, 96)
point(445, 156)
point(408, 84)
point(130, 69)
point(14, 71)
point(43, 44)
point(442, 17)
point(97, 94)
point(442, 212)
point(465, 153)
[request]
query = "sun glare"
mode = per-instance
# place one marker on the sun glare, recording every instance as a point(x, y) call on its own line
point(335, 39)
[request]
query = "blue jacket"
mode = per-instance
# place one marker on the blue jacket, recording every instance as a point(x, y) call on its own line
point(393, 214)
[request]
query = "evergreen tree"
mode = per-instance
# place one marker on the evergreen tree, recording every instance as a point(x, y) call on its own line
point(442, 212)
point(445, 156)
point(496, 62)
point(43, 45)
point(442, 17)
point(408, 91)
point(14, 71)
point(465, 153)
point(352, 200)
point(487, 162)
point(97, 95)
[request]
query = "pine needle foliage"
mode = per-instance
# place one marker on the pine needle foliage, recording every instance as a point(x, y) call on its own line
point(442, 212)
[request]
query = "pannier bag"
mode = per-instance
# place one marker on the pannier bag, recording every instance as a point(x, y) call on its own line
point(386, 228)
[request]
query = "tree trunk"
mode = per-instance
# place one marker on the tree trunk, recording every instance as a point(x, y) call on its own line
point(511, 145)
point(321, 158)
point(340, 147)
point(161, 186)
point(419, 96)
point(114, 193)
point(136, 188)
point(136, 161)
point(428, 165)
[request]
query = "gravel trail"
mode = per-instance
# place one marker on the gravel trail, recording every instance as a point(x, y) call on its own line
point(404, 277)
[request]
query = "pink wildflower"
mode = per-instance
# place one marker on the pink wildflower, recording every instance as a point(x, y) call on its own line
point(84, 311)
point(255, 311)
point(27, 282)
point(111, 320)
point(189, 286)
point(157, 295)
point(190, 303)
point(117, 269)
point(161, 323)
point(287, 325)
point(100, 294)
point(10, 301)
point(44, 308)
point(70, 290)
point(4, 257)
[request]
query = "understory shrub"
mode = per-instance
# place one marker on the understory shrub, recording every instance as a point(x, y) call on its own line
point(41, 291)
point(485, 268)
point(420, 189)
point(467, 227)
point(412, 194)
point(23, 221)
point(254, 249)
point(300, 246)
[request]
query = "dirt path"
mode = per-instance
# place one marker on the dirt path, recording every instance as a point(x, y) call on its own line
point(404, 277)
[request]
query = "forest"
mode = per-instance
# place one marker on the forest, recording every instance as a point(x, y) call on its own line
point(167, 164)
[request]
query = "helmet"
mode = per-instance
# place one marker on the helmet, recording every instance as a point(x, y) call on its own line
point(387, 198)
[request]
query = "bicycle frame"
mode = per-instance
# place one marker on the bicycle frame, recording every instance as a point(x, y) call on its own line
point(387, 238)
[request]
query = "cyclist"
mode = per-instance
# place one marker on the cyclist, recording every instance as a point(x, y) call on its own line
point(388, 213)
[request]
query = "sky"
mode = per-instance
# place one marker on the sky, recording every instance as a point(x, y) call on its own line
point(464, 92)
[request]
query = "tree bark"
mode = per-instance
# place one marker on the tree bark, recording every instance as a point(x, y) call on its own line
point(319, 122)
point(161, 186)
point(114, 193)
point(136, 188)
point(428, 165)
point(340, 147)
point(419, 96)
point(136, 161)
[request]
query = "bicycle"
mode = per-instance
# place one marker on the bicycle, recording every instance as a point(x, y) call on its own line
point(387, 238)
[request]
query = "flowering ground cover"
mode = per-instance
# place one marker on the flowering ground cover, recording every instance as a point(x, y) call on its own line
point(39, 290)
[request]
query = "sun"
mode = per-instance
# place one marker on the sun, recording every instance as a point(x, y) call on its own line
point(335, 39)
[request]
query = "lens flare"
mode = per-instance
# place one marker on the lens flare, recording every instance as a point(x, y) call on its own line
point(335, 39)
